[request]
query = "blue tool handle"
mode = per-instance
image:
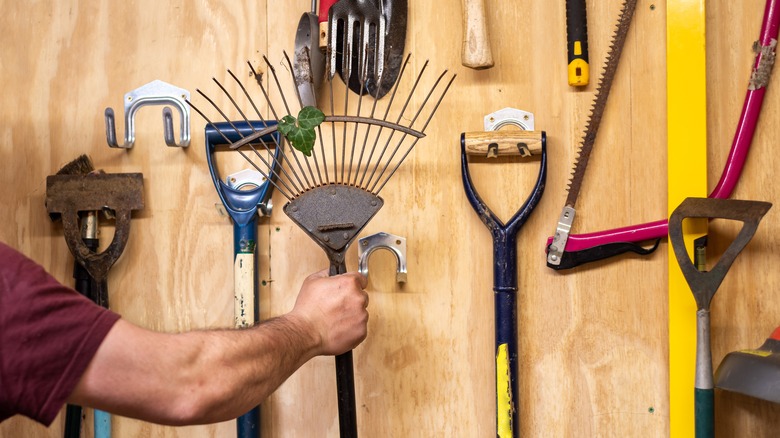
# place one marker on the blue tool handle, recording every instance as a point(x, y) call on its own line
point(505, 288)
point(241, 205)
point(247, 306)
point(248, 425)
point(102, 422)
point(505, 298)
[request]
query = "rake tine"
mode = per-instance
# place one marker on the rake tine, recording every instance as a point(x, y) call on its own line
point(278, 85)
point(384, 117)
point(363, 75)
point(227, 119)
point(282, 154)
point(259, 115)
point(265, 93)
point(248, 97)
point(300, 103)
point(368, 130)
point(267, 176)
point(430, 117)
point(344, 136)
point(436, 107)
point(333, 132)
point(411, 124)
point(287, 108)
point(276, 116)
point(400, 115)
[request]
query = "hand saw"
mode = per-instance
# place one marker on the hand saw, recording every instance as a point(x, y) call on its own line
point(578, 249)
point(556, 248)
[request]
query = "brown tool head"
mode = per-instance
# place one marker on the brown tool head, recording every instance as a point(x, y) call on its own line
point(67, 195)
point(705, 284)
point(333, 215)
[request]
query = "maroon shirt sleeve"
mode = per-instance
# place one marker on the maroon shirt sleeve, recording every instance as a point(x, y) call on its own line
point(48, 335)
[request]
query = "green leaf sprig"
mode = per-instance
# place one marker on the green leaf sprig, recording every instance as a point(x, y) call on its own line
point(300, 132)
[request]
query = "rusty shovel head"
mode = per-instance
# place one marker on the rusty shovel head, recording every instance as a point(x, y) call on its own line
point(67, 195)
point(705, 284)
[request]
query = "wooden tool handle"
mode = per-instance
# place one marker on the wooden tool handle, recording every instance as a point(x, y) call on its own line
point(503, 143)
point(476, 41)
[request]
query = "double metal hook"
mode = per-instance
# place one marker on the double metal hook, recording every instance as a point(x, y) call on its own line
point(154, 93)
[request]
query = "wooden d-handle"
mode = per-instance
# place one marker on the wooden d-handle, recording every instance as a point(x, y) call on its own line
point(503, 143)
point(476, 42)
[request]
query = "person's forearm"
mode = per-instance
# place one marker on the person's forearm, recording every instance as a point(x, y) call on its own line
point(195, 377)
point(249, 368)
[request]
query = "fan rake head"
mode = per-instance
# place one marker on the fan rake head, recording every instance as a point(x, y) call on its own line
point(333, 190)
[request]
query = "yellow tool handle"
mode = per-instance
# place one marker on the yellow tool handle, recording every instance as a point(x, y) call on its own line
point(577, 43)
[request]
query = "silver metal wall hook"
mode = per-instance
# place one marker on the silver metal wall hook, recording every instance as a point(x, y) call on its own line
point(154, 93)
point(393, 243)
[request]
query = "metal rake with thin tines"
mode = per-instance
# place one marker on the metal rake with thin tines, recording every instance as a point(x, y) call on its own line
point(334, 192)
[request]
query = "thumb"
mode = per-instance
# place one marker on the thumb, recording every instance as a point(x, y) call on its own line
point(320, 274)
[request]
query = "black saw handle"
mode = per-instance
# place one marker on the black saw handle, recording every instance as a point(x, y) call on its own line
point(572, 259)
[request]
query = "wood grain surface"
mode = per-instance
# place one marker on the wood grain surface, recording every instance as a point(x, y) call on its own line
point(592, 341)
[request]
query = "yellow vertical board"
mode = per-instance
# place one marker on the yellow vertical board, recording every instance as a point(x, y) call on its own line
point(687, 176)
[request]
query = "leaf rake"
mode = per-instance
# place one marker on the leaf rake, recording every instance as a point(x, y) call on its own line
point(332, 187)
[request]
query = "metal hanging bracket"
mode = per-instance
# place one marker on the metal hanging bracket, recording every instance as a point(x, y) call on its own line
point(393, 243)
point(154, 93)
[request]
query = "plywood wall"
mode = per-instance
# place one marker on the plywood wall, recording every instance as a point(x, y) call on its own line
point(593, 341)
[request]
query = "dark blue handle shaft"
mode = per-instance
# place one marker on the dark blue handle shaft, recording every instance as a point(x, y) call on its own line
point(505, 289)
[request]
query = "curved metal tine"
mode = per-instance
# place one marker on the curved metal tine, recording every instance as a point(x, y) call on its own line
point(422, 131)
point(368, 130)
point(300, 103)
point(282, 154)
point(154, 93)
point(363, 64)
point(384, 118)
point(266, 174)
point(400, 116)
point(271, 168)
point(392, 133)
point(287, 108)
point(274, 170)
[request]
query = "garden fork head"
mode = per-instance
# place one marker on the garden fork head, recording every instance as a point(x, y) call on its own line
point(356, 29)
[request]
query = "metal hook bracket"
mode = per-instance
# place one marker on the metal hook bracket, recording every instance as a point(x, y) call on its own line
point(509, 116)
point(393, 243)
point(154, 93)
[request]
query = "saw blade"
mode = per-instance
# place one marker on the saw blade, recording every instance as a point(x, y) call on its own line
point(556, 249)
point(600, 101)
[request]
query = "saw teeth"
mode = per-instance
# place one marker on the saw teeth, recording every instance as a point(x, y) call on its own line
point(599, 102)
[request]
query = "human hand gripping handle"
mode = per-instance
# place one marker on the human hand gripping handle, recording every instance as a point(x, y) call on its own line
point(335, 308)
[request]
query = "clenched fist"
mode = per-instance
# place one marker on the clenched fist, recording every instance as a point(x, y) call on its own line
point(336, 310)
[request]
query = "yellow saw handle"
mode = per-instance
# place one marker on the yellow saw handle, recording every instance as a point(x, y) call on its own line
point(577, 43)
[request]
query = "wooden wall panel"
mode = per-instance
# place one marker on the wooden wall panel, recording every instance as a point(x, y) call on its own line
point(593, 341)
